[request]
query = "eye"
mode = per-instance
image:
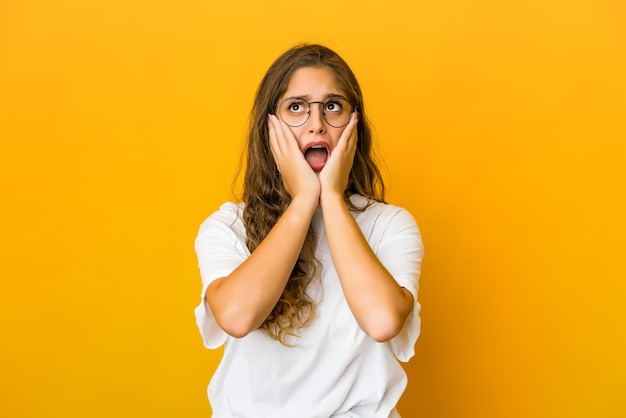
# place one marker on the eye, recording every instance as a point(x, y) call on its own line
point(333, 106)
point(296, 106)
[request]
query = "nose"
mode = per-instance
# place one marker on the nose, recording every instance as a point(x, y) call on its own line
point(316, 122)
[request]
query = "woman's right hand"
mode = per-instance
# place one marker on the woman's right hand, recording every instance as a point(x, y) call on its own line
point(298, 176)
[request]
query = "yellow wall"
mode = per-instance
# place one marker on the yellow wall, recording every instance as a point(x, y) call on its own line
point(504, 128)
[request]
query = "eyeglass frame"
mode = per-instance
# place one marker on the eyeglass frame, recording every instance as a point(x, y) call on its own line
point(308, 113)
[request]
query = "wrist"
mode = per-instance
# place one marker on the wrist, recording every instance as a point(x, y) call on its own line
point(304, 203)
point(332, 199)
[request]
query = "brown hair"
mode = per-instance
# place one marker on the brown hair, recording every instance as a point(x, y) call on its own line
point(265, 196)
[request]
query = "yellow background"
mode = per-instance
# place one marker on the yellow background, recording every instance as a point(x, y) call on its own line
point(503, 125)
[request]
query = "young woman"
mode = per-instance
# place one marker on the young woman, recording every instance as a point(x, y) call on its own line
point(310, 283)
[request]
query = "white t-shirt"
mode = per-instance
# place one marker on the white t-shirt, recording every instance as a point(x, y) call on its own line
point(335, 369)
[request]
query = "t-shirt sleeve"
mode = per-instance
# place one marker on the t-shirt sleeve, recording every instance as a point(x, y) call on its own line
point(221, 248)
point(401, 252)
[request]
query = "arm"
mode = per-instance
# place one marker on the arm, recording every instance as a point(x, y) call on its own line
point(242, 300)
point(378, 303)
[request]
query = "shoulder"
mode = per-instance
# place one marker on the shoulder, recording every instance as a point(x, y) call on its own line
point(384, 223)
point(227, 220)
point(222, 235)
point(380, 212)
point(228, 213)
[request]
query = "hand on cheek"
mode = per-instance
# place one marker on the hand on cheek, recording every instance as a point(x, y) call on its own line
point(298, 177)
point(335, 174)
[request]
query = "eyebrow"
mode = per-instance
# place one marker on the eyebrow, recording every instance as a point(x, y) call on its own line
point(307, 97)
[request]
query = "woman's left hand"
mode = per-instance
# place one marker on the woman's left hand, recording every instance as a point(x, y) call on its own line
point(335, 174)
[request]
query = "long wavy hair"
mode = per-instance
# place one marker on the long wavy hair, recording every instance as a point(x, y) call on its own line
point(265, 196)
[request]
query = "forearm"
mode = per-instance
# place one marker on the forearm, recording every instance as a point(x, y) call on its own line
point(242, 300)
point(378, 303)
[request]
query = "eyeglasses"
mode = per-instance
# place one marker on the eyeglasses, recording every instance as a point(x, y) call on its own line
point(295, 111)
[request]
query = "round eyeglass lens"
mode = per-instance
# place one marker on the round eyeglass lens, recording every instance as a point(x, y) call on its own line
point(295, 112)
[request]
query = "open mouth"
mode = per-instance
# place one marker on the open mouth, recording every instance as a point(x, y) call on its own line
point(316, 156)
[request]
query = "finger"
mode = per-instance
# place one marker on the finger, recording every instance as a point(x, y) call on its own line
point(349, 135)
point(288, 139)
point(354, 137)
point(284, 137)
point(275, 146)
point(272, 132)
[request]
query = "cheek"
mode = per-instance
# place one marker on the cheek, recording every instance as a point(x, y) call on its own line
point(298, 133)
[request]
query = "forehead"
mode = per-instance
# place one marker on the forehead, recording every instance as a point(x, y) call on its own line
point(314, 82)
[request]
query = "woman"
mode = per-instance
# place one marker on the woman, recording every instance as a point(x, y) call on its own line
point(311, 281)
